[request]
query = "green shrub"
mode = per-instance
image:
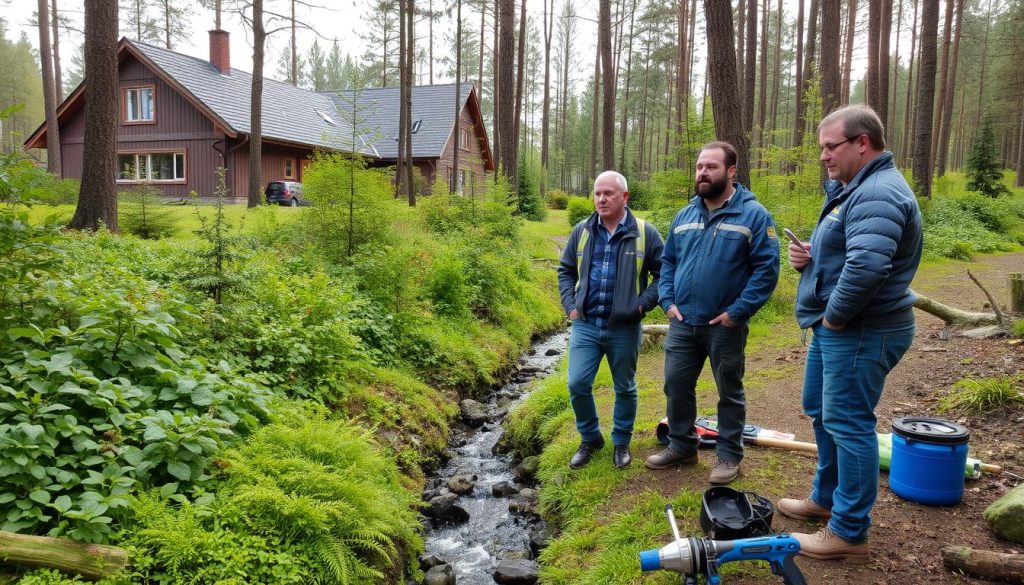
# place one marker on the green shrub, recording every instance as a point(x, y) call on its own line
point(580, 208)
point(1017, 329)
point(309, 502)
point(982, 395)
point(101, 398)
point(557, 199)
point(141, 213)
point(446, 286)
point(530, 202)
point(640, 196)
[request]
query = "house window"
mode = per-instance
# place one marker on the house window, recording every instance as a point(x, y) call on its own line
point(416, 126)
point(156, 167)
point(138, 105)
point(465, 138)
point(289, 168)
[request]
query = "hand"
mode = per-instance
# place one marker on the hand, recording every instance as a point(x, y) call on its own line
point(799, 256)
point(574, 314)
point(831, 326)
point(724, 320)
point(673, 313)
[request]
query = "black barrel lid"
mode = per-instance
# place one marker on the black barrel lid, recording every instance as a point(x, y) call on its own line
point(931, 430)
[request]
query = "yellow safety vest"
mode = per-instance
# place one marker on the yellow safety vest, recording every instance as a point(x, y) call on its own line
point(641, 247)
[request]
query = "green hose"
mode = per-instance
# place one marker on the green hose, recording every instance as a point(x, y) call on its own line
point(972, 470)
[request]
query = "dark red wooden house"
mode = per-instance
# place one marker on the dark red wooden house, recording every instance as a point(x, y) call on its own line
point(182, 117)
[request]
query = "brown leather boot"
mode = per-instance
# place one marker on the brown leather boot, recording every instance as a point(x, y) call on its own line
point(804, 509)
point(825, 544)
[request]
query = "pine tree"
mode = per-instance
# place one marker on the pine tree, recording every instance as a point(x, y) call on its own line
point(983, 172)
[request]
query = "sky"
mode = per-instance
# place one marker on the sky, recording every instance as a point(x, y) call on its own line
point(335, 19)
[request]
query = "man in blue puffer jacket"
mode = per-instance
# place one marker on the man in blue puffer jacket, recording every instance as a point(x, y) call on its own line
point(855, 295)
point(721, 263)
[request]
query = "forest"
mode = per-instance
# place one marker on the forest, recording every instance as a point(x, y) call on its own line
point(214, 390)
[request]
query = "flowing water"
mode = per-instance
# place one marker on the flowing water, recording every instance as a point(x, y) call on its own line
point(475, 548)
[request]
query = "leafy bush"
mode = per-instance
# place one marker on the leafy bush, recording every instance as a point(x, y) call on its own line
point(1017, 329)
point(956, 227)
point(557, 199)
point(580, 209)
point(446, 286)
point(101, 399)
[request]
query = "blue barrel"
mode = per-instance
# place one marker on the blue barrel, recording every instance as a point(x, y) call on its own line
point(928, 459)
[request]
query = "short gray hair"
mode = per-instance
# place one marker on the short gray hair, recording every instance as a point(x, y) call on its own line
point(618, 178)
point(858, 119)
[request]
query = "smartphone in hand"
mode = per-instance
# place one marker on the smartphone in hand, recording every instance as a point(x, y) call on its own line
point(792, 238)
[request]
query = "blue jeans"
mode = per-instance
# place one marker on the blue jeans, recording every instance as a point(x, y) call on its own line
point(587, 345)
point(686, 349)
point(845, 375)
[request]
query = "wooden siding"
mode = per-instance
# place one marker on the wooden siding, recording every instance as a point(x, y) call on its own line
point(272, 166)
point(470, 159)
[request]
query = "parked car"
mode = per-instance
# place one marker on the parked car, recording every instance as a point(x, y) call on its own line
point(285, 193)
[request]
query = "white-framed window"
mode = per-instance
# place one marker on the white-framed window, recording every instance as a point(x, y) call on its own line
point(289, 168)
point(138, 105)
point(155, 167)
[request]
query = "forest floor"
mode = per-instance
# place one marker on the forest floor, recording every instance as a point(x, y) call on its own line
point(906, 538)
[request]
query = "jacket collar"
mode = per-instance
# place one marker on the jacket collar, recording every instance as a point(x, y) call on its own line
point(735, 205)
point(628, 222)
point(835, 189)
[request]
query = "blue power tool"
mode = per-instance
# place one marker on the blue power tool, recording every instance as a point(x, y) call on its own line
point(694, 556)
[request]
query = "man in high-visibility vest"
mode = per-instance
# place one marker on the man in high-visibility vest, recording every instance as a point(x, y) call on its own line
point(721, 263)
point(608, 280)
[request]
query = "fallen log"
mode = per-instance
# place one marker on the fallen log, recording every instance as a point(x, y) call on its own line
point(93, 561)
point(951, 315)
point(985, 564)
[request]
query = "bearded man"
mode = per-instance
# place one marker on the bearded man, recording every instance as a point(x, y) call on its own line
point(720, 265)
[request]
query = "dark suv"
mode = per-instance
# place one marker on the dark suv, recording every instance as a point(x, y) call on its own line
point(285, 193)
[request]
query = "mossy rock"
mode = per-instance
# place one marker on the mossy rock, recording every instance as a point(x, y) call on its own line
point(1006, 515)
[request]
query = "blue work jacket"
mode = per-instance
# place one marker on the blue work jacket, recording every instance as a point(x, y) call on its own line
point(721, 261)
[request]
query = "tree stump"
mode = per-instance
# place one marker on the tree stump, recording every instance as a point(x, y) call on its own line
point(984, 563)
point(1016, 286)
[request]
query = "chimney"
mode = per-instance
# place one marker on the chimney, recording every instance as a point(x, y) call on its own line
point(220, 51)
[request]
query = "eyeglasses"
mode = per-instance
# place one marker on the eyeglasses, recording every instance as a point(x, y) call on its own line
point(832, 147)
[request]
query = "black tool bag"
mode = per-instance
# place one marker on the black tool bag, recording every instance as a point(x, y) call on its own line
point(728, 514)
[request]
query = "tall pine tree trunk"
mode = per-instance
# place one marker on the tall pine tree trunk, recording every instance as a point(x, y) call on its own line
point(549, 24)
point(874, 36)
point(906, 146)
point(596, 101)
point(800, 126)
point(777, 76)
point(830, 72)
point(750, 69)
point(49, 91)
point(925, 99)
point(851, 30)
point(762, 93)
point(520, 71)
point(947, 38)
point(741, 51)
point(890, 128)
point(607, 88)
point(97, 197)
point(885, 29)
point(57, 75)
point(259, 38)
point(625, 98)
point(400, 187)
point(453, 180)
point(505, 107)
point(947, 103)
point(728, 124)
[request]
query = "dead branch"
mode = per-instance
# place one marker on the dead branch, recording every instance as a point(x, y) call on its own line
point(984, 563)
point(991, 301)
point(953, 316)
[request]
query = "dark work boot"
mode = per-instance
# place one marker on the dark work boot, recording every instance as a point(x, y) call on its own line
point(621, 456)
point(584, 453)
point(668, 458)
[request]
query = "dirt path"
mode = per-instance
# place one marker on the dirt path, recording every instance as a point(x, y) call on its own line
point(906, 538)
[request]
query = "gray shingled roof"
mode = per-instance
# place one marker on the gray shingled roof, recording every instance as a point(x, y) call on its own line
point(432, 106)
point(293, 114)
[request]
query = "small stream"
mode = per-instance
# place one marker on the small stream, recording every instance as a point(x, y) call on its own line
point(475, 547)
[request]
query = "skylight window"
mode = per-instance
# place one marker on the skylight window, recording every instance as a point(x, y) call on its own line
point(327, 117)
point(416, 126)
